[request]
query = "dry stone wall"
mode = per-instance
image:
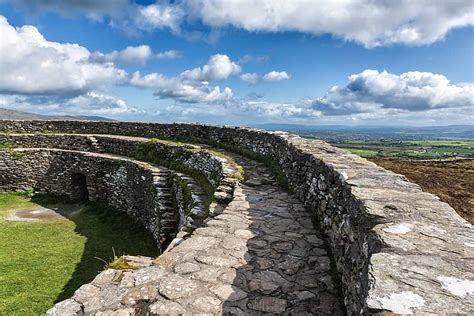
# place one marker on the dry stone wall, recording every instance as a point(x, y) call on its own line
point(212, 168)
point(156, 197)
point(121, 183)
point(396, 247)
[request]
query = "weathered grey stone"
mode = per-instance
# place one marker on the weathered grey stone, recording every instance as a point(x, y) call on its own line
point(67, 307)
point(186, 267)
point(228, 293)
point(218, 261)
point(268, 304)
point(166, 308)
point(304, 295)
point(148, 274)
point(207, 304)
point(366, 212)
point(118, 312)
point(174, 286)
point(145, 293)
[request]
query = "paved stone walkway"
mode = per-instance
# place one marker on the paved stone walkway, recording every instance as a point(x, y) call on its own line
point(260, 255)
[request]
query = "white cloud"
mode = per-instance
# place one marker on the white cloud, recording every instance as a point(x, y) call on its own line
point(90, 103)
point(169, 54)
point(250, 58)
point(274, 110)
point(219, 67)
point(370, 97)
point(130, 55)
point(372, 91)
point(179, 89)
point(371, 23)
point(251, 78)
point(191, 86)
point(33, 65)
point(139, 54)
point(159, 16)
point(276, 76)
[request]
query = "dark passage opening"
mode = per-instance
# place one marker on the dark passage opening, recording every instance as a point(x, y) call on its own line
point(79, 191)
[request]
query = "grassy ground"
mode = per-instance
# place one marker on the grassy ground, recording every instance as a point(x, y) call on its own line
point(44, 262)
point(451, 180)
point(410, 149)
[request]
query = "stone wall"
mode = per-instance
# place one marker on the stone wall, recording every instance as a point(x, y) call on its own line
point(216, 172)
point(123, 184)
point(395, 247)
point(212, 168)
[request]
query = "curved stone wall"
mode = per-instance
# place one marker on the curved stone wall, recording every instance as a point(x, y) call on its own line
point(127, 185)
point(396, 247)
point(155, 196)
point(212, 168)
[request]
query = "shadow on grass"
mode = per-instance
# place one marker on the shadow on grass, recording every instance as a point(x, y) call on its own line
point(106, 230)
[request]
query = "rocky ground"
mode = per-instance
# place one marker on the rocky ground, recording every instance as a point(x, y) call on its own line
point(262, 254)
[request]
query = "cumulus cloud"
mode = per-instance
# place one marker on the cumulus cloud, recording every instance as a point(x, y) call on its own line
point(371, 23)
point(90, 103)
point(180, 90)
point(169, 54)
point(274, 110)
point(372, 91)
point(159, 16)
point(33, 65)
point(191, 86)
point(251, 78)
point(219, 67)
point(415, 98)
point(130, 55)
point(276, 76)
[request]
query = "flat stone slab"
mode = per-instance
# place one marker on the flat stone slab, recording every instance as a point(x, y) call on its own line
point(261, 254)
point(46, 213)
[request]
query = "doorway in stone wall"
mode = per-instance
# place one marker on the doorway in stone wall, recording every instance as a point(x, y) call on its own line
point(79, 191)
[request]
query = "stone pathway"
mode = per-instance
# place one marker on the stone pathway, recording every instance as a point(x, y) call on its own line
point(260, 255)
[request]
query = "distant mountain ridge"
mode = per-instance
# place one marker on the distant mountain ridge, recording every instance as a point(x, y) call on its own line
point(9, 114)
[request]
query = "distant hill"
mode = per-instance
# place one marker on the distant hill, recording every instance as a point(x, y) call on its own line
point(8, 114)
point(373, 132)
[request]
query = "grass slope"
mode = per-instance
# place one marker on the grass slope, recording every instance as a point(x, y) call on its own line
point(44, 262)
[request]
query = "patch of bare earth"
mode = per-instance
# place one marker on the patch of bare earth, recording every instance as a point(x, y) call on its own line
point(451, 180)
point(56, 212)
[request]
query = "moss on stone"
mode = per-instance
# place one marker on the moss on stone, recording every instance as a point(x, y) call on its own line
point(269, 162)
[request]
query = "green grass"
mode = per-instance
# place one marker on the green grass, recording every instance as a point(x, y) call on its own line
point(239, 173)
point(366, 153)
point(43, 262)
point(410, 149)
point(445, 143)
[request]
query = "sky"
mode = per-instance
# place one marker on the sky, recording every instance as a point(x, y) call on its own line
point(241, 62)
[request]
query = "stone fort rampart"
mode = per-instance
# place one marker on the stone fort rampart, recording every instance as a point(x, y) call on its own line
point(395, 247)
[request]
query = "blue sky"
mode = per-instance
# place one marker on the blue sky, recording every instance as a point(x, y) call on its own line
point(252, 62)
